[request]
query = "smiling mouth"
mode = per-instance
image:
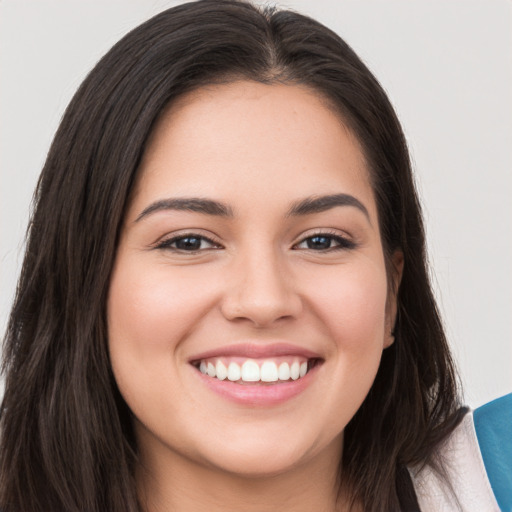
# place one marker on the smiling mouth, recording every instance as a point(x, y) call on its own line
point(245, 371)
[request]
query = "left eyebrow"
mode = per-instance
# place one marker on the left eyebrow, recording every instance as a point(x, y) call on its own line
point(318, 204)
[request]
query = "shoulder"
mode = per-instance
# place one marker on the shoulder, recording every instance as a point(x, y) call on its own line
point(493, 429)
point(477, 458)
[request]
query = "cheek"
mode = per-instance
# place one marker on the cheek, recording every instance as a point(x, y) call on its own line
point(152, 310)
point(352, 306)
point(353, 311)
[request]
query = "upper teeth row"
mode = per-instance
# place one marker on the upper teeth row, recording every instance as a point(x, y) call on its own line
point(250, 371)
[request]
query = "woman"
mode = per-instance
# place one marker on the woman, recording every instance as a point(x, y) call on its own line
point(224, 301)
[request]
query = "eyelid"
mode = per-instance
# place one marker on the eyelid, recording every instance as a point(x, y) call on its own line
point(166, 241)
point(347, 241)
point(344, 240)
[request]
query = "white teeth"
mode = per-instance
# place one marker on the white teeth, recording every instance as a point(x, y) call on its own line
point(222, 371)
point(268, 372)
point(234, 372)
point(210, 370)
point(284, 371)
point(250, 371)
point(295, 370)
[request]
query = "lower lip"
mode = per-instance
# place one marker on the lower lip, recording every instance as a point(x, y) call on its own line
point(262, 395)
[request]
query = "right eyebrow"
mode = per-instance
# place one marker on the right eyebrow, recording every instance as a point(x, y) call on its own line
point(190, 204)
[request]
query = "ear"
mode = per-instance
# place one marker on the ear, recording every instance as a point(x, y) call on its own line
point(396, 271)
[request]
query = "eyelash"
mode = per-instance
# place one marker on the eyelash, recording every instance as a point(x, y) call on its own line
point(168, 243)
point(343, 243)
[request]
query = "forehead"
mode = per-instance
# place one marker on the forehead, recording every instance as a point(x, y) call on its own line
point(268, 138)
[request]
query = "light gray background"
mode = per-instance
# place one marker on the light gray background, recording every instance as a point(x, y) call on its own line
point(447, 66)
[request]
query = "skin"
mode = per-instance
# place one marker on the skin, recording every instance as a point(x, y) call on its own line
point(258, 149)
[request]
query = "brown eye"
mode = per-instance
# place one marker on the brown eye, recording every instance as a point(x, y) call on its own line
point(325, 242)
point(188, 243)
point(319, 243)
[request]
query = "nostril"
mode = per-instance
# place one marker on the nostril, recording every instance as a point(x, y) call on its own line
point(262, 295)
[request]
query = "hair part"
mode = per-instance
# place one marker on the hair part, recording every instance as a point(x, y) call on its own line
point(66, 435)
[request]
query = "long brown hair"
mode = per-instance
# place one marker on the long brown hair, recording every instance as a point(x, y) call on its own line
point(66, 435)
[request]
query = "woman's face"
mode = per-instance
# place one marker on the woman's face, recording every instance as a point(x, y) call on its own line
point(250, 254)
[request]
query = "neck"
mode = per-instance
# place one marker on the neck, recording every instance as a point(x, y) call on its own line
point(180, 484)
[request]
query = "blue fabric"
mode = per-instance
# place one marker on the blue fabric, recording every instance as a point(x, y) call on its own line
point(493, 425)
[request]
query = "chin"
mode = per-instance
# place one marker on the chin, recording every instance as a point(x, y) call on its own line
point(267, 455)
point(258, 465)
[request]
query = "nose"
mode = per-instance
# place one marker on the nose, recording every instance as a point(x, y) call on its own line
point(260, 290)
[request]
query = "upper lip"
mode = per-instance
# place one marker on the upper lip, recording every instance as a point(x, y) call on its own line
point(260, 350)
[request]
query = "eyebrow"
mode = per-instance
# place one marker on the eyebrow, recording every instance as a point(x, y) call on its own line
point(190, 204)
point(318, 204)
point(307, 206)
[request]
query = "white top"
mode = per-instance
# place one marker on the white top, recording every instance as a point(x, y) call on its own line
point(470, 488)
